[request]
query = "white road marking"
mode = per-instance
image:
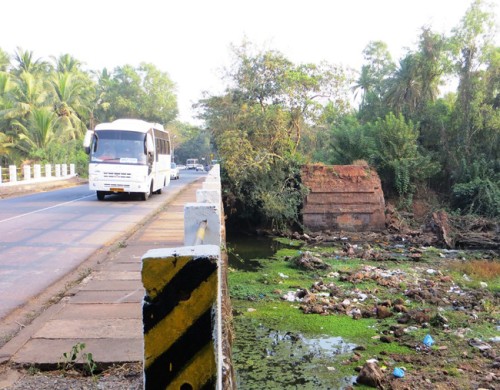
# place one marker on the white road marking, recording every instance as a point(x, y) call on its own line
point(44, 209)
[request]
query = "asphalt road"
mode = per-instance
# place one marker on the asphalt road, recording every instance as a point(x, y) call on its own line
point(46, 235)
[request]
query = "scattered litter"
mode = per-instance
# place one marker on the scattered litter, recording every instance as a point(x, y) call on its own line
point(479, 344)
point(290, 296)
point(399, 372)
point(428, 341)
point(362, 296)
point(282, 275)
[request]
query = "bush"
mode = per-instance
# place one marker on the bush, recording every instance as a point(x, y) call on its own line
point(478, 196)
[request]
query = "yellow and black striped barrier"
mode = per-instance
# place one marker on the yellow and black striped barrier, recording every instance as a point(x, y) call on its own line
point(179, 317)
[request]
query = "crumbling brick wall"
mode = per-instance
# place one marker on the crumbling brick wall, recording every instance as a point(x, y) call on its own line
point(343, 197)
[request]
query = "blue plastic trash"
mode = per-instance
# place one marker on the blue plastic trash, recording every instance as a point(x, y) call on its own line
point(428, 341)
point(398, 372)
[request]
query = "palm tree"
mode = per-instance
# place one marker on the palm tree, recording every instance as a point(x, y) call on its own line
point(69, 105)
point(5, 85)
point(403, 95)
point(431, 63)
point(40, 131)
point(65, 63)
point(27, 63)
point(26, 95)
point(6, 146)
point(364, 84)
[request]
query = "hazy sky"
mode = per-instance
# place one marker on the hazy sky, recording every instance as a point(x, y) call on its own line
point(190, 39)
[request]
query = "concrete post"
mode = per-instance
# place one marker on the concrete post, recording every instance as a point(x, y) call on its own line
point(212, 185)
point(26, 172)
point(72, 171)
point(12, 173)
point(196, 213)
point(37, 171)
point(208, 196)
point(48, 170)
point(64, 169)
point(182, 318)
point(58, 170)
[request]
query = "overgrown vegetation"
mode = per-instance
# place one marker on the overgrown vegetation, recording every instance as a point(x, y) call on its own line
point(275, 115)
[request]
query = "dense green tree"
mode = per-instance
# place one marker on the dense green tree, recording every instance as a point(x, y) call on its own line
point(378, 67)
point(190, 141)
point(475, 134)
point(258, 124)
point(143, 92)
point(350, 141)
point(397, 157)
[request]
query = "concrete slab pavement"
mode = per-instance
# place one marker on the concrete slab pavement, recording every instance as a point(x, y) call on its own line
point(104, 311)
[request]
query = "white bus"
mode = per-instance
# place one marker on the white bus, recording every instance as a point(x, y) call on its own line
point(128, 156)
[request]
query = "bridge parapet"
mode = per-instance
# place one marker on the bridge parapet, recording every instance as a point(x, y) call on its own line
point(186, 340)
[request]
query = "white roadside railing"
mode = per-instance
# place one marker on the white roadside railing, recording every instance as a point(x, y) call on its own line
point(27, 174)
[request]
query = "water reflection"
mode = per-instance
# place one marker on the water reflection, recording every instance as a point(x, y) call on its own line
point(245, 251)
point(273, 359)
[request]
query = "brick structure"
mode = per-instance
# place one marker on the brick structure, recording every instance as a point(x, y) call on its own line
point(343, 197)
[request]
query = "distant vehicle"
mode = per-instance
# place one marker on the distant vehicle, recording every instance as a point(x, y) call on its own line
point(128, 156)
point(191, 163)
point(199, 167)
point(181, 167)
point(174, 171)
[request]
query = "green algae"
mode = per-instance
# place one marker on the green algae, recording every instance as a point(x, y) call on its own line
point(278, 346)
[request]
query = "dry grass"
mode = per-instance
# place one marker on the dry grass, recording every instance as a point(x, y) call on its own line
point(480, 269)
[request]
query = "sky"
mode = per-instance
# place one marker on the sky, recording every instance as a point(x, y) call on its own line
point(191, 40)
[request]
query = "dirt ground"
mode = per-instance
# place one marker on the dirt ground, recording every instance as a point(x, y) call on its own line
point(461, 310)
point(120, 377)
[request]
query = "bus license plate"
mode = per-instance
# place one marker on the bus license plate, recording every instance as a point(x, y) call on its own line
point(117, 189)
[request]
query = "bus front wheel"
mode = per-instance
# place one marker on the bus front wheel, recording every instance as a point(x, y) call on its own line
point(145, 195)
point(100, 195)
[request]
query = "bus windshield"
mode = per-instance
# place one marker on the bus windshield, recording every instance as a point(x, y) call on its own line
point(118, 147)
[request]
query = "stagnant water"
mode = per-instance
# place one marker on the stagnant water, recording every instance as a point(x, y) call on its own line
point(244, 251)
point(267, 358)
